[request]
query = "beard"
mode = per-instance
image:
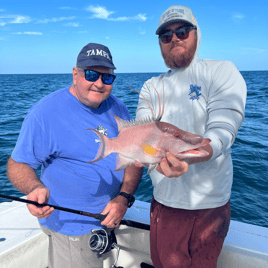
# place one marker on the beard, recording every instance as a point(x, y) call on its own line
point(179, 60)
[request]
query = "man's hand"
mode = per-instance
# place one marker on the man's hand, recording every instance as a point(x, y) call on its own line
point(175, 166)
point(171, 166)
point(116, 210)
point(25, 179)
point(40, 195)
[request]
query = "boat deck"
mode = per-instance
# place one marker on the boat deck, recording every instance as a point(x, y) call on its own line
point(23, 245)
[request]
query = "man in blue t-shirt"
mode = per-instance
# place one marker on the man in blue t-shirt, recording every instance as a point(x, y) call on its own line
point(54, 135)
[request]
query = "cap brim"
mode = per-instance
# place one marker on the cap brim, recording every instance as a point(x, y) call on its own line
point(96, 63)
point(159, 29)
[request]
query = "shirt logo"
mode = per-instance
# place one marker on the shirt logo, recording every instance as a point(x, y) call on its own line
point(194, 92)
point(101, 130)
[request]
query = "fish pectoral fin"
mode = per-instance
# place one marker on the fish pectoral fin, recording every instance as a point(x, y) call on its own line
point(151, 168)
point(122, 162)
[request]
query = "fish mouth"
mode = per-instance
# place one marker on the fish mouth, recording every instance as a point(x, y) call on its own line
point(196, 151)
point(191, 151)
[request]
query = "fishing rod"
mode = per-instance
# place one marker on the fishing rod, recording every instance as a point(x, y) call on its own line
point(97, 216)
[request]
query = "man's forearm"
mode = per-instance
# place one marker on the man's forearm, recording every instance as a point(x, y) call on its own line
point(132, 179)
point(117, 207)
point(22, 176)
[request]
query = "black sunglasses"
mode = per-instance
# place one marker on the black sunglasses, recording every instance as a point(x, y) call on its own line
point(93, 76)
point(181, 32)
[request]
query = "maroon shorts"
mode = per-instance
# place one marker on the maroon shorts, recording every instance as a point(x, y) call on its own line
point(187, 238)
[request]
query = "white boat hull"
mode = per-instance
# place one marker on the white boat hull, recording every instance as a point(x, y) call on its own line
point(26, 246)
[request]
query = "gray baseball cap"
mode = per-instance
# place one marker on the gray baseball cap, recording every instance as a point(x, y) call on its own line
point(176, 14)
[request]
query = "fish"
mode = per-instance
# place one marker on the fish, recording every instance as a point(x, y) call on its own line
point(147, 140)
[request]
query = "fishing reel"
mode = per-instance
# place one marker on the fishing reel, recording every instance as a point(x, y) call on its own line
point(102, 241)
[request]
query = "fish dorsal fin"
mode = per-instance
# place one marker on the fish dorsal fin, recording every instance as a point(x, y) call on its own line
point(161, 110)
point(121, 123)
point(152, 111)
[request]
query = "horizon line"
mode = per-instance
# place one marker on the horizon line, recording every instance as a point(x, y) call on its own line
point(118, 73)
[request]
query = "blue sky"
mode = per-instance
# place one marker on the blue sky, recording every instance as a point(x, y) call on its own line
point(46, 36)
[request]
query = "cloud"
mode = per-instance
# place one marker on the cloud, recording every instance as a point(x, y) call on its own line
point(99, 12)
point(17, 19)
point(238, 16)
point(56, 19)
point(21, 19)
point(102, 13)
point(141, 17)
point(29, 33)
point(83, 32)
point(68, 8)
point(72, 24)
point(258, 50)
point(142, 31)
point(118, 19)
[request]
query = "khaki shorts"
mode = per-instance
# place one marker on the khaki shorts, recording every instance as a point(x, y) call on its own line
point(187, 238)
point(70, 251)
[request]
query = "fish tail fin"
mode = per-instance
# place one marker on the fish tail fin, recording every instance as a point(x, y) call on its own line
point(102, 152)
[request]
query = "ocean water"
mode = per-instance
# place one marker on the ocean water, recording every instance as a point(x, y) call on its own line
point(249, 197)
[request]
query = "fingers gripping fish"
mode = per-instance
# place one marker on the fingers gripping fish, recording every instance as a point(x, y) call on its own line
point(147, 141)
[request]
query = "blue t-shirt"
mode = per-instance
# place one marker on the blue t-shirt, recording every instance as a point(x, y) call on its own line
point(54, 134)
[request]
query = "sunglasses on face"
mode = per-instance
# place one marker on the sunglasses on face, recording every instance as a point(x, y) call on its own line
point(181, 32)
point(93, 76)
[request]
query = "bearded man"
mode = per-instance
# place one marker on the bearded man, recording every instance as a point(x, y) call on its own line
point(190, 210)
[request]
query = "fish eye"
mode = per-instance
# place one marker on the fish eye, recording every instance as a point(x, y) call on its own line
point(177, 135)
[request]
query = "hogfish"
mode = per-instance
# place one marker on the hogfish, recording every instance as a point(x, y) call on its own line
point(147, 141)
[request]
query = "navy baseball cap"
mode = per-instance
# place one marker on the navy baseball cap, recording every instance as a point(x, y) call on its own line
point(95, 55)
